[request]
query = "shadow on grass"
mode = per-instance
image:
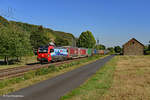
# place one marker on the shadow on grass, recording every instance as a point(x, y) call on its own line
point(11, 62)
point(14, 61)
point(33, 63)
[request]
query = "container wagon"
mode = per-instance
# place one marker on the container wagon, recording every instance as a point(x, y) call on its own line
point(82, 52)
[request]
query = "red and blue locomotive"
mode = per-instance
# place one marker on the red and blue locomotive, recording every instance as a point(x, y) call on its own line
point(51, 53)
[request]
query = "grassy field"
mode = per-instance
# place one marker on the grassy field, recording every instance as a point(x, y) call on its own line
point(131, 79)
point(24, 61)
point(123, 78)
point(30, 78)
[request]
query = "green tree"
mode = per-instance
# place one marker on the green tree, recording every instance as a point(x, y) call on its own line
point(61, 42)
point(100, 47)
point(86, 40)
point(111, 49)
point(14, 43)
point(39, 38)
point(117, 49)
point(4, 43)
point(147, 49)
point(149, 46)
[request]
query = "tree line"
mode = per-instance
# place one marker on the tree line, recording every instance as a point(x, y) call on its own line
point(19, 39)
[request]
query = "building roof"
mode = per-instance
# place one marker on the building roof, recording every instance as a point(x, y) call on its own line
point(134, 40)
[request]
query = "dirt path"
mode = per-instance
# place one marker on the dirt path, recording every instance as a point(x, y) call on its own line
point(56, 87)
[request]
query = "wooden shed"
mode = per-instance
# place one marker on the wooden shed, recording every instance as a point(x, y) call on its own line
point(133, 47)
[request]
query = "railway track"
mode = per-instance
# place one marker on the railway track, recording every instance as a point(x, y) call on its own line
point(18, 71)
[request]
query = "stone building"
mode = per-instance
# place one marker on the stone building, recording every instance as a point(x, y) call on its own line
point(133, 47)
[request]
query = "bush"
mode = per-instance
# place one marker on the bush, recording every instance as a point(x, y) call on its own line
point(38, 72)
point(147, 52)
point(13, 81)
point(2, 84)
point(53, 68)
point(28, 75)
point(18, 79)
point(61, 68)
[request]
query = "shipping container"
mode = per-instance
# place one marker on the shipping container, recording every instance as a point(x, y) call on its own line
point(82, 52)
point(89, 52)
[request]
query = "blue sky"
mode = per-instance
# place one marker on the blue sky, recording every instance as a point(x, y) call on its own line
point(114, 22)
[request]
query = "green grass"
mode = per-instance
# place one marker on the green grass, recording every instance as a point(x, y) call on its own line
point(42, 72)
point(96, 86)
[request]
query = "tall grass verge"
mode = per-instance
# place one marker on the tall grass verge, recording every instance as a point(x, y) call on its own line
point(96, 86)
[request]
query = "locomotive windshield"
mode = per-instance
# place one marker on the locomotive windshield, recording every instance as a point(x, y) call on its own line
point(43, 50)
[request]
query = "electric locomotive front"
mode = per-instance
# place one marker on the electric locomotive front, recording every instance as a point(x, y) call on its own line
point(44, 53)
point(51, 54)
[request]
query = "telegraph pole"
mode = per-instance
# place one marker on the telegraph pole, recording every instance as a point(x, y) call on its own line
point(97, 41)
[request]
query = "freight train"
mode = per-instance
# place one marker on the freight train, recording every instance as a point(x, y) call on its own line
point(51, 53)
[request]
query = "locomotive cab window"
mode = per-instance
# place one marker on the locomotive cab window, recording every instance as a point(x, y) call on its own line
point(43, 50)
point(52, 50)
